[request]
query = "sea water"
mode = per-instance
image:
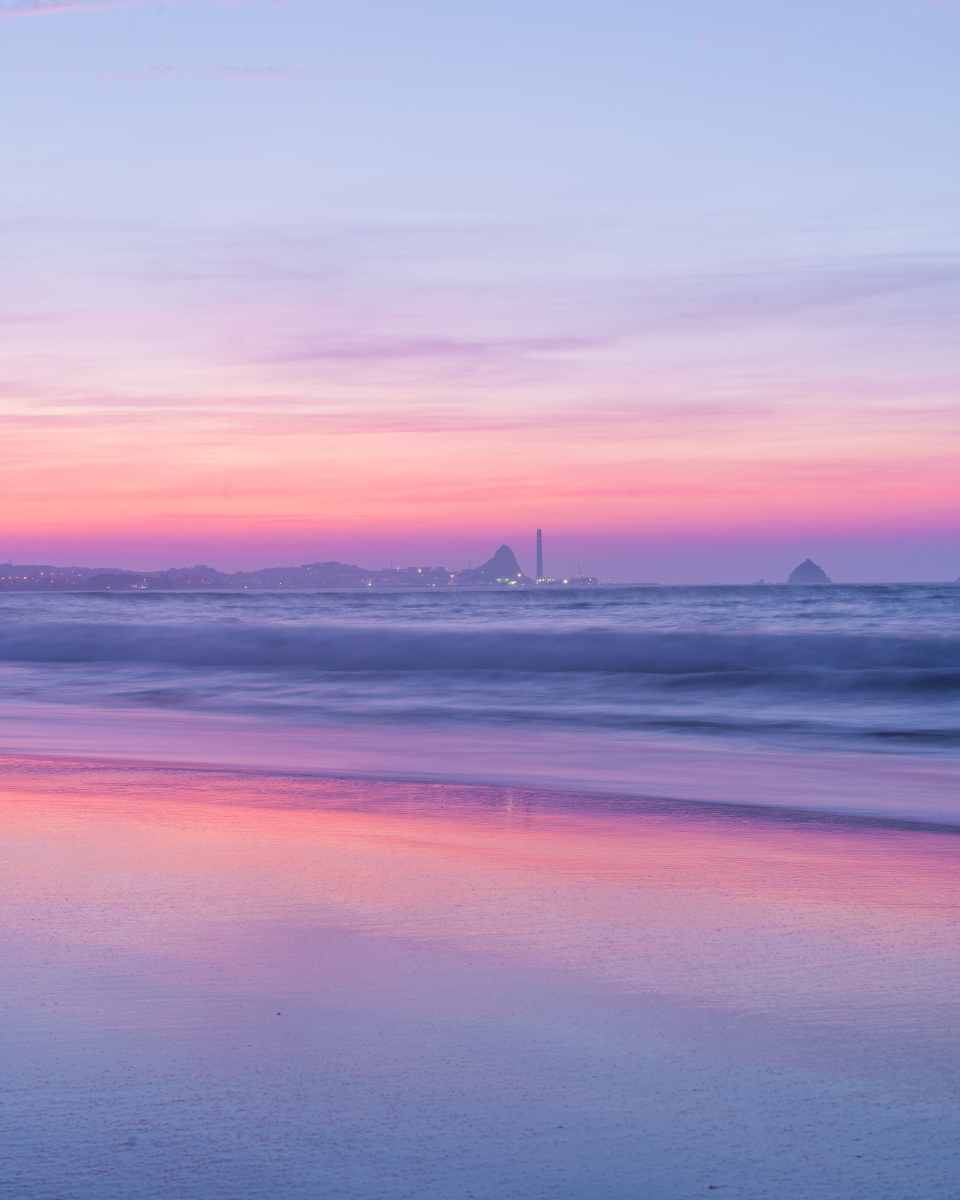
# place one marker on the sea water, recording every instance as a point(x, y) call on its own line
point(843, 697)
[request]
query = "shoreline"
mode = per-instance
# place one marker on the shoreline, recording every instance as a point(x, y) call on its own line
point(917, 788)
point(380, 794)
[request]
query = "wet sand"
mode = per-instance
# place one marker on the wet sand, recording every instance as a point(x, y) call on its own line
point(916, 787)
point(223, 984)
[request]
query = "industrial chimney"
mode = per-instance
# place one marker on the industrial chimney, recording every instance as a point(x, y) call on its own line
point(539, 555)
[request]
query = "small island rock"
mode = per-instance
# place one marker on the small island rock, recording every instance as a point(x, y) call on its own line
point(809, 572)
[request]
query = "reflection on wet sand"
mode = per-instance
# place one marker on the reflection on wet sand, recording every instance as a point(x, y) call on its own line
point(382, 989)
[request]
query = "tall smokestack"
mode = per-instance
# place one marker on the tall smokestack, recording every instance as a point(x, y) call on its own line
point(539, 554)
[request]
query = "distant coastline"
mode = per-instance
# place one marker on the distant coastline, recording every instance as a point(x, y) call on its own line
point(502, 570)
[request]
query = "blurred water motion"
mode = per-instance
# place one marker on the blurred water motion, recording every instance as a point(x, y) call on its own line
point(842, 698)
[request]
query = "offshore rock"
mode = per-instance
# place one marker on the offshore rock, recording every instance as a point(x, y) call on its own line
point(809, 572)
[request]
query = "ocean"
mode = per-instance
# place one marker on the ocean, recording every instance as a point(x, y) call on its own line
point(839, 698)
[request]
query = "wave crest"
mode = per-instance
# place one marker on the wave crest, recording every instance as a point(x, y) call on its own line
point(389, 648)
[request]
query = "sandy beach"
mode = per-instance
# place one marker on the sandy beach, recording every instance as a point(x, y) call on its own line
point(223, 984)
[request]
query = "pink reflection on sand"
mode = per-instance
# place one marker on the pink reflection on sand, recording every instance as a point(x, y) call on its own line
point(761, 913)
point(893, 785)
point(229, 984)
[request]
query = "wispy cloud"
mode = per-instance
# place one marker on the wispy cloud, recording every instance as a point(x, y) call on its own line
point(36, 8)
point(386, 373)
point(39, 8)
point(225, 72)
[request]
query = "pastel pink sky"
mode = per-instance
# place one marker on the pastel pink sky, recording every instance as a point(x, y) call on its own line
point(224, 343)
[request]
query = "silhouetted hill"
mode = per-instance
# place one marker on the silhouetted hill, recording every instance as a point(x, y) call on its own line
point(42, 577)
point(114, 581)
point(502, 568)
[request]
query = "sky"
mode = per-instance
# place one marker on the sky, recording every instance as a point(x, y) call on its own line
point(378, 280)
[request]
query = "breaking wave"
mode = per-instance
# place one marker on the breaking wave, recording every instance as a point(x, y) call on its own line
point(383, 648)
